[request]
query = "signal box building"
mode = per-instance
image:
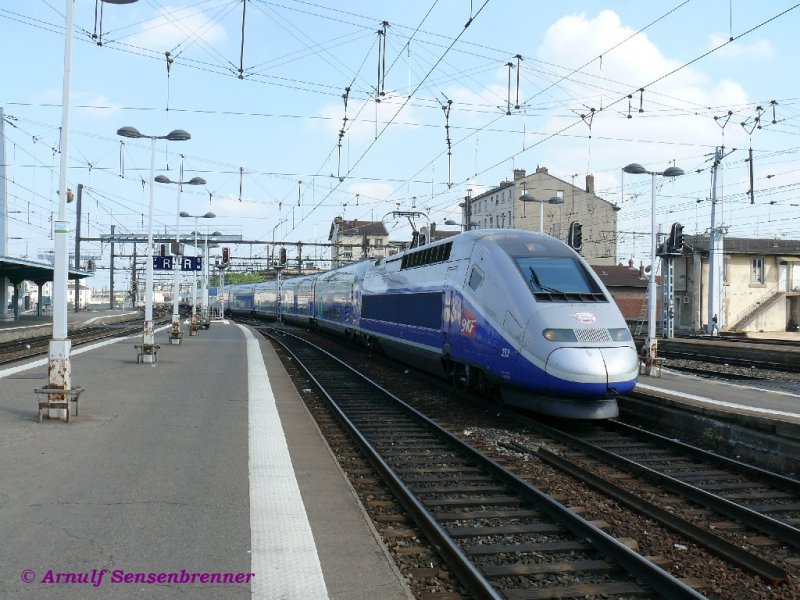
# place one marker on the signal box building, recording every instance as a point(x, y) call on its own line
point(761, 285)
point(558, 201)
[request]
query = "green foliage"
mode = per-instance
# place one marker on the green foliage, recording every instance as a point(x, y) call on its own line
point(236, 278)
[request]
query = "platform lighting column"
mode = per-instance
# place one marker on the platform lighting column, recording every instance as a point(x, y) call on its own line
point(208, 215)
point(175, 336)
point(651, 343)
point(206, 312)
point(148, 336)
point(60, 368)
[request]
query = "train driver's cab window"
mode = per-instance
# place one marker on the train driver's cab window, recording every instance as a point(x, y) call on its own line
point(559, 280)
point(475, 279)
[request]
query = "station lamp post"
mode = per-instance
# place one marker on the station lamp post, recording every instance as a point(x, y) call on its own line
point(651, 343)
point(205, 312)
point(60, 368)
point(148, 337)
point(526, 197)
point(175, 335)
point(186, 215)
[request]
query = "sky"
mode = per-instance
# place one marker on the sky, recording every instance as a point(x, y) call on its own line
point(261, 87)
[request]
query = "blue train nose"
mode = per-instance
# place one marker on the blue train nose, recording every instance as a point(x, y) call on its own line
point(592, 370)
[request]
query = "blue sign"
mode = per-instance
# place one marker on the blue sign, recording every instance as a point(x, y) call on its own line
point(191, 263)
point(163, 263)
point(185, 263)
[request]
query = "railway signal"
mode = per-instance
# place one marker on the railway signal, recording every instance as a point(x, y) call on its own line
point(676, 239)
point(575, 237)
point(283, 256)
point(225, 255)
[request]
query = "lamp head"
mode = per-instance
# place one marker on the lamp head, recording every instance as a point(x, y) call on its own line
point(178, 135)
point(196, 181)
point(556, 200)
point(673, 172)
point(526, 197)
point(163, 179)
point(129, 132)
point(210, 215)
point(185, 214)
point(634, 169)
point(450, 222)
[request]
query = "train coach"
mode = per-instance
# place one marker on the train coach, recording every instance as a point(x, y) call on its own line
point(510, 311)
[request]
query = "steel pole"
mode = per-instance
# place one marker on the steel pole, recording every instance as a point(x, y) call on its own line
point(715, 257)
point(148, 336)
point(60, 369)
point(652, 288)
point(176, 319)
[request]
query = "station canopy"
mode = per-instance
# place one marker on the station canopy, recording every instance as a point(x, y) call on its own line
point(18, 270)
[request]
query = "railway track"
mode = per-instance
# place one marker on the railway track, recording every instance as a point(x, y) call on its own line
point(502, 537)
point(753, 355)
point(744, 502)
point(27, 348)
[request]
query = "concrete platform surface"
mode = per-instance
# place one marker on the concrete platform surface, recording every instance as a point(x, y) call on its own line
point(164, 488)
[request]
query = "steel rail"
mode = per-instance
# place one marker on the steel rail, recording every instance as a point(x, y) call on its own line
point(647, 572)
point(748, 561)
point(777, 480)
point(744, 515)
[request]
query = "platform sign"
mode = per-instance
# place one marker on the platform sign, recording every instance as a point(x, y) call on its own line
point(185, 263)
point(191, 263)
point(163, 263)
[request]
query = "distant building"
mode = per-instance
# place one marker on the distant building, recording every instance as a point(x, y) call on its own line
point(559, 202)
point(761, 284)
point(356, 240)
point(628, 287)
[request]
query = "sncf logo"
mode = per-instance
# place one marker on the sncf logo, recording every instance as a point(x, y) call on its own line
point(468, 323)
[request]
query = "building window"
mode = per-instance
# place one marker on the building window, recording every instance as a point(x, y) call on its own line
point(379, 242)
point(757, 271)
point(726, 265)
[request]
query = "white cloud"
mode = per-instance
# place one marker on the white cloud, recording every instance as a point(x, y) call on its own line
point(174, 26)
point(675, 122)
point(737, 49)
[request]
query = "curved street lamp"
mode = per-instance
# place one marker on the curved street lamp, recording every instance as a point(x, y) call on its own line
point(175, 335)
point(652, 342)
point(208, 215)
point(148, 337)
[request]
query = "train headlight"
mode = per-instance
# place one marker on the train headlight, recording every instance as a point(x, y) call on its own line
point(559, 335)
point(620, 335)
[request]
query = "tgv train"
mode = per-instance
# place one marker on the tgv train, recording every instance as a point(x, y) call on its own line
point(495, 309)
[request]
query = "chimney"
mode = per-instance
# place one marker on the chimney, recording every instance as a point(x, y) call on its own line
point(641, 269)
point(590, 184)
point(630, 263)
point(541, 170)
point(519, 174)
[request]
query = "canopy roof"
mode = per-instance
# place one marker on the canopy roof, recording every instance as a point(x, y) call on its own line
point(18, 269)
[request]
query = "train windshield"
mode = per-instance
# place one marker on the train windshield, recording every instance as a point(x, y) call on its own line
point(559, 279)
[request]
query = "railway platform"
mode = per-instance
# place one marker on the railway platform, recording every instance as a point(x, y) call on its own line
point(202, 475)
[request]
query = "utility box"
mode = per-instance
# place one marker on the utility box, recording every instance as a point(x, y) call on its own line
point(176, 248)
